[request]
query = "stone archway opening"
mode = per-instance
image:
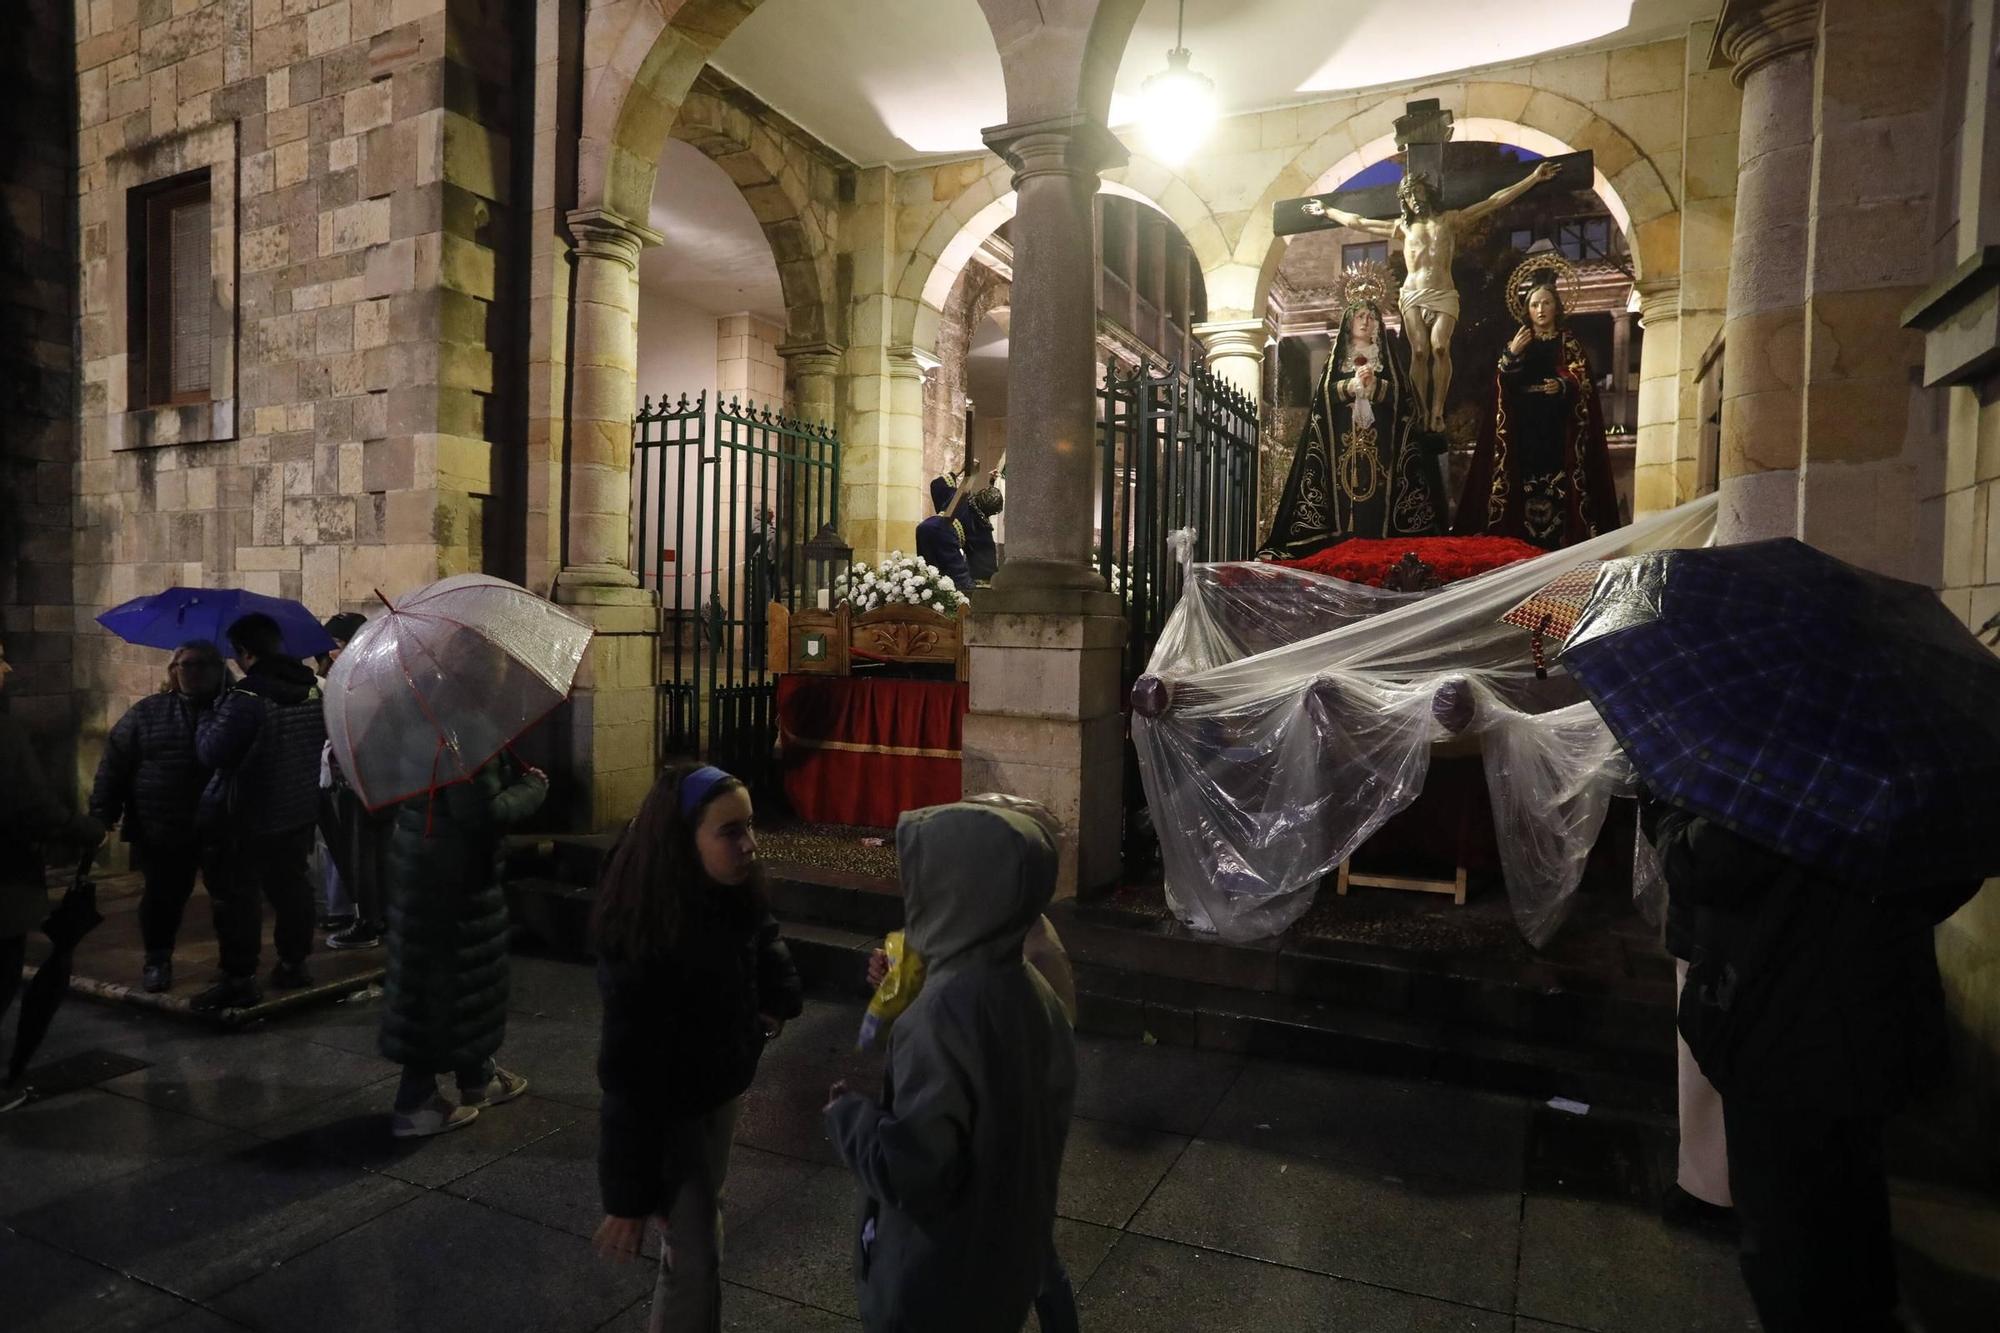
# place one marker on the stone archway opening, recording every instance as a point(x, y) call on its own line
point(1586, 224)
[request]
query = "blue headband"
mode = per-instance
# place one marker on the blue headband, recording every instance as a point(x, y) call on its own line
point(698, 786)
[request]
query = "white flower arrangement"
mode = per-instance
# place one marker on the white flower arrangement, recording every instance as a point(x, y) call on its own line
point(902, 580)
point(1118, 585)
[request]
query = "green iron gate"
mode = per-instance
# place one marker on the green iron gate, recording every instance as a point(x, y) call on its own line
point(724, 499)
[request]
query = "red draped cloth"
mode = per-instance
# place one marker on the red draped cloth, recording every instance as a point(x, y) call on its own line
point(862, 751)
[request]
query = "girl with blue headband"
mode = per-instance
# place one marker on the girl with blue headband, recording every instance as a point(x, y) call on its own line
point(695, 981)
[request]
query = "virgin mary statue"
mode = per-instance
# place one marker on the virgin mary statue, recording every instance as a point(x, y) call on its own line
point(1541, 471)
point(1359, 471)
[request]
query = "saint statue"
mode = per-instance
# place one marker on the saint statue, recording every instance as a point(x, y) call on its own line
point(1362, 469)
point(1541, 471)
point(1429, 302)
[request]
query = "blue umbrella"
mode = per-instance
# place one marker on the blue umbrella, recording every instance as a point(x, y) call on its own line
point(1844, 719)
point(171, 618)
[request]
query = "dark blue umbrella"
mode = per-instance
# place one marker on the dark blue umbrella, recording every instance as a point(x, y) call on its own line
point(1844, 719)
point(169, 619)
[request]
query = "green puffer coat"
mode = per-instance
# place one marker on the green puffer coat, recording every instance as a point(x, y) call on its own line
point(446, 989)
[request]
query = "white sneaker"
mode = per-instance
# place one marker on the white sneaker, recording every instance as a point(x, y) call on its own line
point(504, 1086)
point(436, 1116)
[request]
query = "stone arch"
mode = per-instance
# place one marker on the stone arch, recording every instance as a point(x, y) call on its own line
point(941, 254)
point(1630, 182)
point(779, 192)
point(641, 59)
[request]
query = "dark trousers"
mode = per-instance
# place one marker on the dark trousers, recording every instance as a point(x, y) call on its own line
point(1812, 1202)
point(356, 841)
point(170, 873)
point(13, 957)
point(250, 871)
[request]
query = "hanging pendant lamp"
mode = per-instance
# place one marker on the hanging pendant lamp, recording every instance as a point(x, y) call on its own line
point(1179, 104)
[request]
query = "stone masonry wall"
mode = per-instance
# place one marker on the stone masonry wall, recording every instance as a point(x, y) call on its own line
point(37, 366)
point(359, 198)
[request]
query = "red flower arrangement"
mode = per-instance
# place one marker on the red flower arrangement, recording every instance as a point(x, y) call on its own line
point(1369, 560)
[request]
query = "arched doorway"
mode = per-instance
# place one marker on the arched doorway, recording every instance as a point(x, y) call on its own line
point(1582, 222)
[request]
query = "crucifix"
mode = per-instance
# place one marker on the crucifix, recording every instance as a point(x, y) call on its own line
point(1426, 212)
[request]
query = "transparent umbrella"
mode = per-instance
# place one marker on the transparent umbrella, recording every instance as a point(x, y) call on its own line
point(427, 693)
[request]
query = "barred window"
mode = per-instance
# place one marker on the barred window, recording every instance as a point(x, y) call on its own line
point(1364, 252)
point(172, 291)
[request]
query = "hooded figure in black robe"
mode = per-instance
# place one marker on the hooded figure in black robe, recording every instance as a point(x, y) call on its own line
point(1362, 469)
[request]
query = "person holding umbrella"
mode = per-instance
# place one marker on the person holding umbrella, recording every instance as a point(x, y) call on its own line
point(149, 780)
point(30, 818)
point(421, 709)
point(263, 740)
point(1819, 748)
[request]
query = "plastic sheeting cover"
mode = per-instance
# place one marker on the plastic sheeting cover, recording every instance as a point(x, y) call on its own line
point(1300, 715)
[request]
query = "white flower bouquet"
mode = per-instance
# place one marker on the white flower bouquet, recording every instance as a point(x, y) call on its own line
point(901, 580)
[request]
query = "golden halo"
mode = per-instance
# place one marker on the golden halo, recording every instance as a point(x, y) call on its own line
point(1550, 261)
point(1369, 280)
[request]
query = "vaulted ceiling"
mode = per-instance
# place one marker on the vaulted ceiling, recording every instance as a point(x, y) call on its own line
point(900, 80)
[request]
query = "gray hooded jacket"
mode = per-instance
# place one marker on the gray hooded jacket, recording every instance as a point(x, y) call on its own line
point(958, 1164)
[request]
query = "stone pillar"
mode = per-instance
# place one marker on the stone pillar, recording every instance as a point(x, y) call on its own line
point(608, 726)
point(813, 370)
point(1621, 367)
point(1236, 355)
point(1769, 46)
point(1656, 481)
point(1046, 639)
point(604, 375)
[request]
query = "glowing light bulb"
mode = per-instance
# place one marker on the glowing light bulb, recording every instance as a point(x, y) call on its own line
point(1178, 108)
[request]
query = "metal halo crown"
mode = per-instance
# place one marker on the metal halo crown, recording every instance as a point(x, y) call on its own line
point(1522, 280)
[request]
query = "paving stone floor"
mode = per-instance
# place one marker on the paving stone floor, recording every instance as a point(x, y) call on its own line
point(247, 1180)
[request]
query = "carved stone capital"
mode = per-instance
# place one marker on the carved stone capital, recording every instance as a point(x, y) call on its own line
point(1659, 301)
point(1233, 337)
point(1750, 34)
point(601, 234)
point(813, 358)
point(1073, 146)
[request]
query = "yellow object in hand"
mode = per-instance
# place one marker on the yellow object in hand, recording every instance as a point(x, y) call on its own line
point(899, 986)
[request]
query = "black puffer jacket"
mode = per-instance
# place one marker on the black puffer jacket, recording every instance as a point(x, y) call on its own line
point(682, 1035)
point(263, 739)
point(149, 775)
point(446, 989)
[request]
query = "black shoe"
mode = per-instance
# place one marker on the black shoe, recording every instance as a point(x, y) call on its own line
point(1678, 1208)
point(228, 993)
point(336, 922)
point(290, 976)
point(158, 975)
point(360, 935)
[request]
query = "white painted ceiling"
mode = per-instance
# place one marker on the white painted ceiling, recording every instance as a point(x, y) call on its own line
point(714, 257)
point(899, 80)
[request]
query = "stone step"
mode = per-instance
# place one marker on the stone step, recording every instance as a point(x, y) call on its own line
point(1533, 1031)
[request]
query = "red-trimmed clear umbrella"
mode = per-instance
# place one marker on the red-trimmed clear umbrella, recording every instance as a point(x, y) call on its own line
point(424, 695)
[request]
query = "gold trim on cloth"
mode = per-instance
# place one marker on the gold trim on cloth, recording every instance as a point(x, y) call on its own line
point(855, 747)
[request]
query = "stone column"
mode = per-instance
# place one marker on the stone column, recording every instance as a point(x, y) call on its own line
point(1656, 481)
point(1769, 46)
point(609, 721)
point(814, 372)
point(1236, 355)
point(1046, 639)
point(1621, 366)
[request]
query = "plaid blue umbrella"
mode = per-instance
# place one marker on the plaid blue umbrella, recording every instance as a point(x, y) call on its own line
point(1841, 718)
point(171, 618)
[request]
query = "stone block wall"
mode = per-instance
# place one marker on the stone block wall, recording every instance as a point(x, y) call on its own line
point(37, 367)
point(360, 172)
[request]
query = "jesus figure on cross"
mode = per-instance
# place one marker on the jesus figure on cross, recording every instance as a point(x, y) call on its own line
point(1429, 298)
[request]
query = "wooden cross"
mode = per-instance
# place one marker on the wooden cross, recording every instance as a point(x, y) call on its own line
point(1421, 134)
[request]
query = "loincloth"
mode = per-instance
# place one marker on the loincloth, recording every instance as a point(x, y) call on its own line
point(1430, 300)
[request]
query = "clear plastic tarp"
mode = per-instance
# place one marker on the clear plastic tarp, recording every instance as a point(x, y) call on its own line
point(1285, 716)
